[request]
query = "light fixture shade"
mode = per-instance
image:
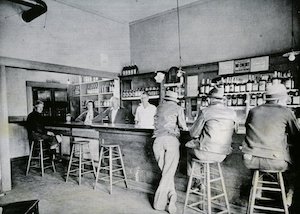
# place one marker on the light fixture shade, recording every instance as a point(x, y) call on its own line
point(291, 55)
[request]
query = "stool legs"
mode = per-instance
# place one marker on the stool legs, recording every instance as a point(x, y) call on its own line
point(270, 187)
point(283, 194)
point(70, 162)
point(123, 167)
point(189, 187)
point(29, 159)
point(40, 158)
point(223, 187)
point(205, 196)
point(81, 160)
point(112, 153)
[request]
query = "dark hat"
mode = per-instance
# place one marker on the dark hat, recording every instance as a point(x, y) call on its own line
point(216, 92)
point(171, 95)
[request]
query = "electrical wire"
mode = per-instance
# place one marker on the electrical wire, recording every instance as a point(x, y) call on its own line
point(178, 32)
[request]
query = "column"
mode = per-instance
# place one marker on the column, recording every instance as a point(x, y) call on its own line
point(5, 174)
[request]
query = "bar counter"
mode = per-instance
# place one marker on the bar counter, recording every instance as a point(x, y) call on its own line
point(141, 167)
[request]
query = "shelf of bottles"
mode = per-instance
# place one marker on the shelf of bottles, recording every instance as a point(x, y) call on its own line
point(240, 91)
point(134, 94)
point(100, 88)
point(88, 79)
point(130, 70)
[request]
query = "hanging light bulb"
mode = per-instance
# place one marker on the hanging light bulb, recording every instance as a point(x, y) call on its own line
point(292, 56)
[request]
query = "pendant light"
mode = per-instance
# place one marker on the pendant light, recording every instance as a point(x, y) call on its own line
point(292, 54)
point(180, 72)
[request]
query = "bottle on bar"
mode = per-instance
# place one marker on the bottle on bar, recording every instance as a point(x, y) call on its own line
point(234, 100)
point(249, 84)
point(254, 85)
point(260, 99)
point(227, 86)
point(229, 101)
point(202, 88)
point(276, 79)
point(252, 100)
point(296, 98)
point(240, 100)
point(262, 84)
point(207, 86)
point(231, 86)
point(243, 86)
point(290, 98)
point(236, 86)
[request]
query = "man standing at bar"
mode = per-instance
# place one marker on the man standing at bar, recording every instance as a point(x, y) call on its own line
point(168, 119)
point(115, 114)
point(212, 130)
point(145, 112)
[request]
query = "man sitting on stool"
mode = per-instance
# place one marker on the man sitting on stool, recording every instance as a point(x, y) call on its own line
point(265, 146)
point(212, 130)
point(36, 128)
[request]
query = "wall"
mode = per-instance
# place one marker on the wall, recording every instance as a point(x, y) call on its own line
point(64, 36)
point(213, 31)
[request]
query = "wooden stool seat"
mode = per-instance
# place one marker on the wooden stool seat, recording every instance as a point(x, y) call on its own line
point(114, 167)
point(41, 158)
point(78, 161)
point(276, 184)
point(212, 188)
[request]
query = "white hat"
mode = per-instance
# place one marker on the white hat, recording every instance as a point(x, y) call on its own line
point(171, 95)
point(216, 92)
point(276, 91)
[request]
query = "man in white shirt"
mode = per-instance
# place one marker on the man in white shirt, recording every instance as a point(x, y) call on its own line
point(144, 116)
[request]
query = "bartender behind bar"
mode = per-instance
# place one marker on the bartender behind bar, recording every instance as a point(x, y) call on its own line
point(115, 114)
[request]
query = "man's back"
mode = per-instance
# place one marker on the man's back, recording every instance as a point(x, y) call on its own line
point(267, 126)
point(215, 126)
point(169, 115)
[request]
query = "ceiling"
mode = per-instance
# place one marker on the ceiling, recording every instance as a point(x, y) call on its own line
point(125, 11)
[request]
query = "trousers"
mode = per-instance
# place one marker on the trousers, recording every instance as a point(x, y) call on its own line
point(166, 152)
point(260, 163)
point(202, 156)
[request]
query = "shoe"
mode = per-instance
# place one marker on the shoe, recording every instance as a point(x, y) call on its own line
point(289, 197)
point(197, 185)
point(58, 138)
point(172, 204)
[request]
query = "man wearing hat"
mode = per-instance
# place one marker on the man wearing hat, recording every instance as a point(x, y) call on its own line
point(212, 130)
point(265, 146)
point(167, 121)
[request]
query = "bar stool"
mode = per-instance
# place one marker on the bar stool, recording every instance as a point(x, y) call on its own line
point(275, 184)
point(114, 167)
point(211, 177)
point(77, 159)
point(41, 157)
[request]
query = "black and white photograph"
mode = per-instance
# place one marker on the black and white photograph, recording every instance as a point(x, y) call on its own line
point(149, 106)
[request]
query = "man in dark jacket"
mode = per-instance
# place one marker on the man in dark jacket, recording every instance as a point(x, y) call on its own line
point(212, 130)
point(167, 121)
point(115, 114)
point(36, 128)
